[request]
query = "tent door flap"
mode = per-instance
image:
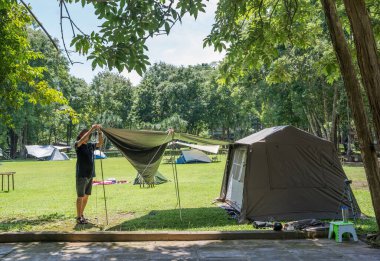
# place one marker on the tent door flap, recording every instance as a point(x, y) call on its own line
point(236, 178)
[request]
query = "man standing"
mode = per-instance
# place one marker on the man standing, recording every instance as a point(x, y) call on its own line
point(85, 168)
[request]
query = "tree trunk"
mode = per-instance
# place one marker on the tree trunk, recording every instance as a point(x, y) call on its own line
point(325, 110)
point(367, 56)
point(50, 134)
point(318, 125)
point(352, 87)
point(23, 141)
point(334, 116)
point(12, 143)
point(311, 123)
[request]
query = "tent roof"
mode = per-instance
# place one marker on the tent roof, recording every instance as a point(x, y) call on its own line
point(44, 151)
point(209, 148)
point(40, 151)
point(271, 134)
point(259, 136)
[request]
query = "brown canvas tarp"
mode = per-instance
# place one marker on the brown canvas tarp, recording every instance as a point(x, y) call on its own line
point(289, 175)
point(145, 149)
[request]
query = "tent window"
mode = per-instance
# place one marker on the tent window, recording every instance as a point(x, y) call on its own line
point(238, 164)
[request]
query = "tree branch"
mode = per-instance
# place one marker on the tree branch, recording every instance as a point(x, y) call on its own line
point(40, 24)
point(61, 3)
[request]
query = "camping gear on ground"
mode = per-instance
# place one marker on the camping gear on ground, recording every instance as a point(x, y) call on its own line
point(47, 152)
point(283, 173)
point(109, 181)
point(99, 154)
point(304, 224)
point(277, 226)
point(158, 179)
point(230, 211)
point(262, 224)
point(339, 228)
point(193, 156)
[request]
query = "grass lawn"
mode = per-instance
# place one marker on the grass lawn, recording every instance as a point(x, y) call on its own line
point(44, 199)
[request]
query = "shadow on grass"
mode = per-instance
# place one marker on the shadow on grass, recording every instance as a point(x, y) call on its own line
point(25, 224)
point(192, 219)
point(84, 227)
point(366, 225)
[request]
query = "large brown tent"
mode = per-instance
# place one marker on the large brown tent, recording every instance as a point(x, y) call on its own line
point(284, 173)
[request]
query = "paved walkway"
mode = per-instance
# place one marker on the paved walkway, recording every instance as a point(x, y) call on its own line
point(256, 250)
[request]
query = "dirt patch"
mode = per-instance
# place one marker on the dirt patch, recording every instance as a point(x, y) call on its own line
point(125, 215)
point(359, 184)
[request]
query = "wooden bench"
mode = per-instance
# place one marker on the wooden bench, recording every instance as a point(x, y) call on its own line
point(2, 179)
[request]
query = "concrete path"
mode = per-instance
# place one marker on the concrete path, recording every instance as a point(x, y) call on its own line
point(315, 249)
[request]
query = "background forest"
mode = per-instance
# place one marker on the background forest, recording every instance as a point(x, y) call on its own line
point(301, 88)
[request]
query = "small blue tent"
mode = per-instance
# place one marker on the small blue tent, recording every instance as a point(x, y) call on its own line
point(193, 156)
point(99, 154)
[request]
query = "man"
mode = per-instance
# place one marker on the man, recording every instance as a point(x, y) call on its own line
point(85, 168)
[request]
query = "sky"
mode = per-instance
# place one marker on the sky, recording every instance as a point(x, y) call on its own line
point(183, 46)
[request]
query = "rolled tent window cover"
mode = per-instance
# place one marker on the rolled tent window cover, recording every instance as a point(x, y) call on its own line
point(145, 149)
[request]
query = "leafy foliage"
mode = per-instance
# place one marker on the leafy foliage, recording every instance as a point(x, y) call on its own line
point(254, 33)
point(20, 81)
point(112, 99)
point(120, 42)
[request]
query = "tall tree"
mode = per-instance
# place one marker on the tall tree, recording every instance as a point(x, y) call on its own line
point(367, 55)
point(20, 81)
point(112, 96)
point(352, 86)
point(22, 78)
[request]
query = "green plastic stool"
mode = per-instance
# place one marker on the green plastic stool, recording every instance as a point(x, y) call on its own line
point(339, 228)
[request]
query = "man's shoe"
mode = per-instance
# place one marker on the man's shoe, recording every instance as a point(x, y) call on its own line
point(84, 220)
point(79, 221)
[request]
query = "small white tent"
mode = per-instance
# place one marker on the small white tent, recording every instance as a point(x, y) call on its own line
point(47, 152)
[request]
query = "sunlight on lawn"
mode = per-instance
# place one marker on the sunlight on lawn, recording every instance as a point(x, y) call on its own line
point(44, 198)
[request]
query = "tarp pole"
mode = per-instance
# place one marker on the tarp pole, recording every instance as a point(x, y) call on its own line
point(104, 189)
point(175, 174)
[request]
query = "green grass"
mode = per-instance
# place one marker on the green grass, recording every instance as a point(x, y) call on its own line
point(44, 199)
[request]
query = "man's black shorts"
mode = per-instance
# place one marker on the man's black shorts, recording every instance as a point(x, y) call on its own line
point(84, 186)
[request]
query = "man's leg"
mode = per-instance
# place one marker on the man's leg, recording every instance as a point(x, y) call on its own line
point(87, 193)
point(80, 186)
point(79, 206)
point(84, 203)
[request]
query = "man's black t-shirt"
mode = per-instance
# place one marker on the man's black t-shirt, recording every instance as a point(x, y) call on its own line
point(85, 160)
